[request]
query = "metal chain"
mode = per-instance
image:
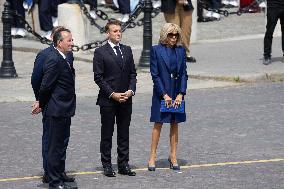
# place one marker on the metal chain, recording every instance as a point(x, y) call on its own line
point(129, 24)
point(87, 14)
point(93, 45)
point(29, 29)
point(44, 40)
point(155, 12)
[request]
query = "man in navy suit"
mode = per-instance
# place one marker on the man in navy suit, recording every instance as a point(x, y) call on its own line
point(57, 99)
point(115, 74)
point(36, 80)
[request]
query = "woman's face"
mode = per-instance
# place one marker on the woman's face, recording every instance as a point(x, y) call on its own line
point(172, 38)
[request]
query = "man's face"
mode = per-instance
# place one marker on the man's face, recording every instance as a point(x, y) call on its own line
point(114, 34)
point(66, 43)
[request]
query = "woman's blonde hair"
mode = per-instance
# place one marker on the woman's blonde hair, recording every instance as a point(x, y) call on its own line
point(169, 28)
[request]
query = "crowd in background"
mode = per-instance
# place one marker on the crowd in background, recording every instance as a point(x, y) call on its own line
point(47, 12)
point(207, 10)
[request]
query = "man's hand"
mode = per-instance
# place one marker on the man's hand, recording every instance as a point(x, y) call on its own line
point(35, 108)
point(128, 93)
point(177, 101)
point(168, 100)
point(119, 97)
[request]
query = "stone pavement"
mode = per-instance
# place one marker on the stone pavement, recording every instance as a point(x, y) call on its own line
point(232, 139)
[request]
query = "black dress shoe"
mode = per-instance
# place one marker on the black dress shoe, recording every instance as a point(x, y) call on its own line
point(66, 178)
point(45, 178)
point(266, 60)
point(108, 171)
point(125, 170)
point(190, 59)
point(63, 186)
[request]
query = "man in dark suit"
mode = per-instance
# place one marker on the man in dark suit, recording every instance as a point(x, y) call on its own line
point(115, 74)
point(36, 80)
point(57, 99)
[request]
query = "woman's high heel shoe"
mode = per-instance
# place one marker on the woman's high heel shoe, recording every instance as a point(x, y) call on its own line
point(175, 167)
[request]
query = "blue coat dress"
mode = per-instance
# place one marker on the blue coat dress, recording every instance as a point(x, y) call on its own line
point(163, 82)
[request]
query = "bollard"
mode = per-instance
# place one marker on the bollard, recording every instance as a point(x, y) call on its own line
point(147, 35)
point(7, 69)
point(71, 17)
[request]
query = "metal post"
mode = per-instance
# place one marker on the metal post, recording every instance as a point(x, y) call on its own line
point(7, 69)
point(147, 35)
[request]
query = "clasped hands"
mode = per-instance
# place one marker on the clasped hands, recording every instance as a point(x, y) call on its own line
point(35, 108)
point(122, 97)
point(175, 104)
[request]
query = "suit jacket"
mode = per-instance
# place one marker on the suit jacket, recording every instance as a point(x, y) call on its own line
point(163, 82)
point(169, 6)
point(37, 74)
point(57, 91)
point(110, 76)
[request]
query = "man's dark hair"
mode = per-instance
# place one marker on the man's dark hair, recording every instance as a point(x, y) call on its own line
point(112, 22)
point(57, 36)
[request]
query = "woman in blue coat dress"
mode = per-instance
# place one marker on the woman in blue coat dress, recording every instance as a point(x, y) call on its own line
point(169, 75)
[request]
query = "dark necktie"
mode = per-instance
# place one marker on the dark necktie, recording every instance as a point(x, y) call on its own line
point(118, 55)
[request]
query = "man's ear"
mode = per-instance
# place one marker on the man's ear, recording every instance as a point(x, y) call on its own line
point(58, 43)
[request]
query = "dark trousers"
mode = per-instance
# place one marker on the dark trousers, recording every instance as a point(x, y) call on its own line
point(44, 144)
point(124, 6)
point(47, 9)
point(58, 137)
point(121, 114)
point(17, 5)
point(45, 132)
point(273, 14)
point(215, 4)
point(93, 4)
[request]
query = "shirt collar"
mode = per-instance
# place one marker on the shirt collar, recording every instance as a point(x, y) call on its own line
point(112, 44)
point(61, 53)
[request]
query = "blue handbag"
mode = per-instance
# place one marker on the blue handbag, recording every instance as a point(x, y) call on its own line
point(179, 109)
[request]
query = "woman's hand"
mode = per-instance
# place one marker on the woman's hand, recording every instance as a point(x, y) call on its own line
point(178, 100)
point(168, 100)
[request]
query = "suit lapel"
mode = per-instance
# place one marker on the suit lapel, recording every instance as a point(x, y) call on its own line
point(165, 56)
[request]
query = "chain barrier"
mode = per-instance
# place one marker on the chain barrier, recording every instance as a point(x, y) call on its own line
point(129, 24)
point(29, 29)
point(92, 21)
point(154, 13)
point(44, 40)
